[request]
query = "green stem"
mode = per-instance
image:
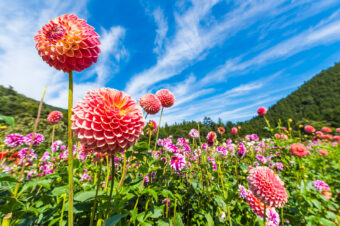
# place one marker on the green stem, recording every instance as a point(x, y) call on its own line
point(70, 150)
point(282, 217)
point(62, 211)
point(149, 139)
point(175, 212)
point(123, 174)
point(97, 189)
point(230, 223)
point(159, 127)
point(112, 183)
point(264, 215)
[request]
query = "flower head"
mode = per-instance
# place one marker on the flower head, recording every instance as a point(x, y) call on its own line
point(323, 152)
point(309, 129)
point(326, 129)
point(107, 120)
point(151, 127)
point(38, 139)
point(337, 130)
point(14, 140)
point(321, 186)
point(298, 150)
point(166, 97)
point(68, 43)
point(150, 103)
point(267, 186)
point(54, 117)
point(220, 130)
point(194, 133)
point(234, 130)
point(177, 162)
point(211, 137)
point(261, 111)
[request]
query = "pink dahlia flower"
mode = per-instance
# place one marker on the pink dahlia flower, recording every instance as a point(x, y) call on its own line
point(107, 120)
point(194, 133)
point(38, 139)
point(267, 186)
point(14, 140)
point(323, 152)
point(326, 129)
point(177, 162)
point(54, 117)
point(166, 97)
point(337, 130)
point(261, 111)
point(234, 130)
point(150, 103)
point(321, 186)
point(211, 137)
point(309, 129)
point(298, 150)
point(220, 130)
point(68, 43)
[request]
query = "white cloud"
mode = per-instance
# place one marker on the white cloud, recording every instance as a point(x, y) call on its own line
point(22, 67)
point(161, 31)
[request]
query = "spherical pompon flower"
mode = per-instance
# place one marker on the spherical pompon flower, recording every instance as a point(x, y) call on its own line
point(234, 130)
point(326, 129)
point(107, 120)
point(337, 130)
point(298, 150)
point(166, 97)
point(150, 103)
point(68, 43)
point(14, 140)
point(267, 186)
point(309, 129)
point(221, 130)
point(261, 111)
point(54, 117)
point(321, 186)
point(38, 139)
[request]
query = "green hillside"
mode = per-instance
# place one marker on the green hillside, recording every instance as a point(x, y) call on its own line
point(316, 102)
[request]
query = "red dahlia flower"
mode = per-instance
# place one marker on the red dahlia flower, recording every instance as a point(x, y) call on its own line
point(309, 129)
point(150, 103)
point(166, 97)
point(107, 120)
point(234, 130)
point(54, 117)
point(261, 111)
point(68, 43)
point(298, 150)
point(267, 187)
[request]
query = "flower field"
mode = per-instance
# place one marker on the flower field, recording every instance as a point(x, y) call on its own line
point(104, 175)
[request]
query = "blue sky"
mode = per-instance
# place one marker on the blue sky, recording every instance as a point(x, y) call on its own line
point(220, 58)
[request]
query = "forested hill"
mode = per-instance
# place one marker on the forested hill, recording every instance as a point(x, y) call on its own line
point(316, 102)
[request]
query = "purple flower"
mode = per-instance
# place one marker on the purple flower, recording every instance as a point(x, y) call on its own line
point(85, 176)
point(194, 133)
point(241, 150)
point(204, 146)
point(56, 145)
point(291, 163)
point(146, 179)
point(167, 202)
point(256, 163)
point(23, 152)
point(320, 185)
point(172, 148)
point(222, 150)
point(243, 191)
point(14, 140)
point(272, 217)
point(254, 137)
point(261, 159)
point(177, 162)
point(45, 157)
point(279, 165)
point(38, 139)
point(181, 142)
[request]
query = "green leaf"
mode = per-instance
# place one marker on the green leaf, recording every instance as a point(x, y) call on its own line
point(60, 190)
point(7, 177)
point(209, 219)
point(85, 195)
point(37, 182)
point(178, 220)
point(156, 212)
point(220, 202)
point(163, 222)
point(151, 192)
point(8, 119)
point(141, 147)
point(324, 221)
point(113, 220)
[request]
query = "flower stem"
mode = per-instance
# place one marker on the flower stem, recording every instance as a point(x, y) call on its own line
point(62, 210)
point(230, 223)
point(112, 183)
point(264, 215)
point(159, 127)
point(123, 174)
point(97, 189)
point(53, 130)
point(70, 150)
point(282, 217)
point(175, 212)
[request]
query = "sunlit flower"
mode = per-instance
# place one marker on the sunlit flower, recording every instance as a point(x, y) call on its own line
point(56, 145)
point(107, 120)
point(234, 130)
point(327, 194)
point(166, 97)
point(309, 129)
point(279, 166)
point(211, 137)
point(54, 117)
point(337, 130)
point(321, 186)
point(220, 130)
point(14, 140)
point(150, 103)
point(242, 191)
point(194, 133)
point(68, 43)
point(85, 176)
point(261, 111)
point(38, 139)
point(151, 127)
point(326, 129)
point(177, 162)
point(261, 159)
point(298, 150)
point(267, 186)
point(323, 152)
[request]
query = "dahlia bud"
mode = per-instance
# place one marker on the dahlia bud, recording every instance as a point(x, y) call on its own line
point(261, 111)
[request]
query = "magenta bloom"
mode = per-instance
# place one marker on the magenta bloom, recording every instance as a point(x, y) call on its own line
point(241, 150)
point(242, 191)
point(261, 111)
point(38, 139)
point(14, 140)
point(321, 186)
point(177, 162)
point(211, 137)
point(54, 117)
point(194, 133)
point(234, 130)
point(267, 187)
point(261, 159)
